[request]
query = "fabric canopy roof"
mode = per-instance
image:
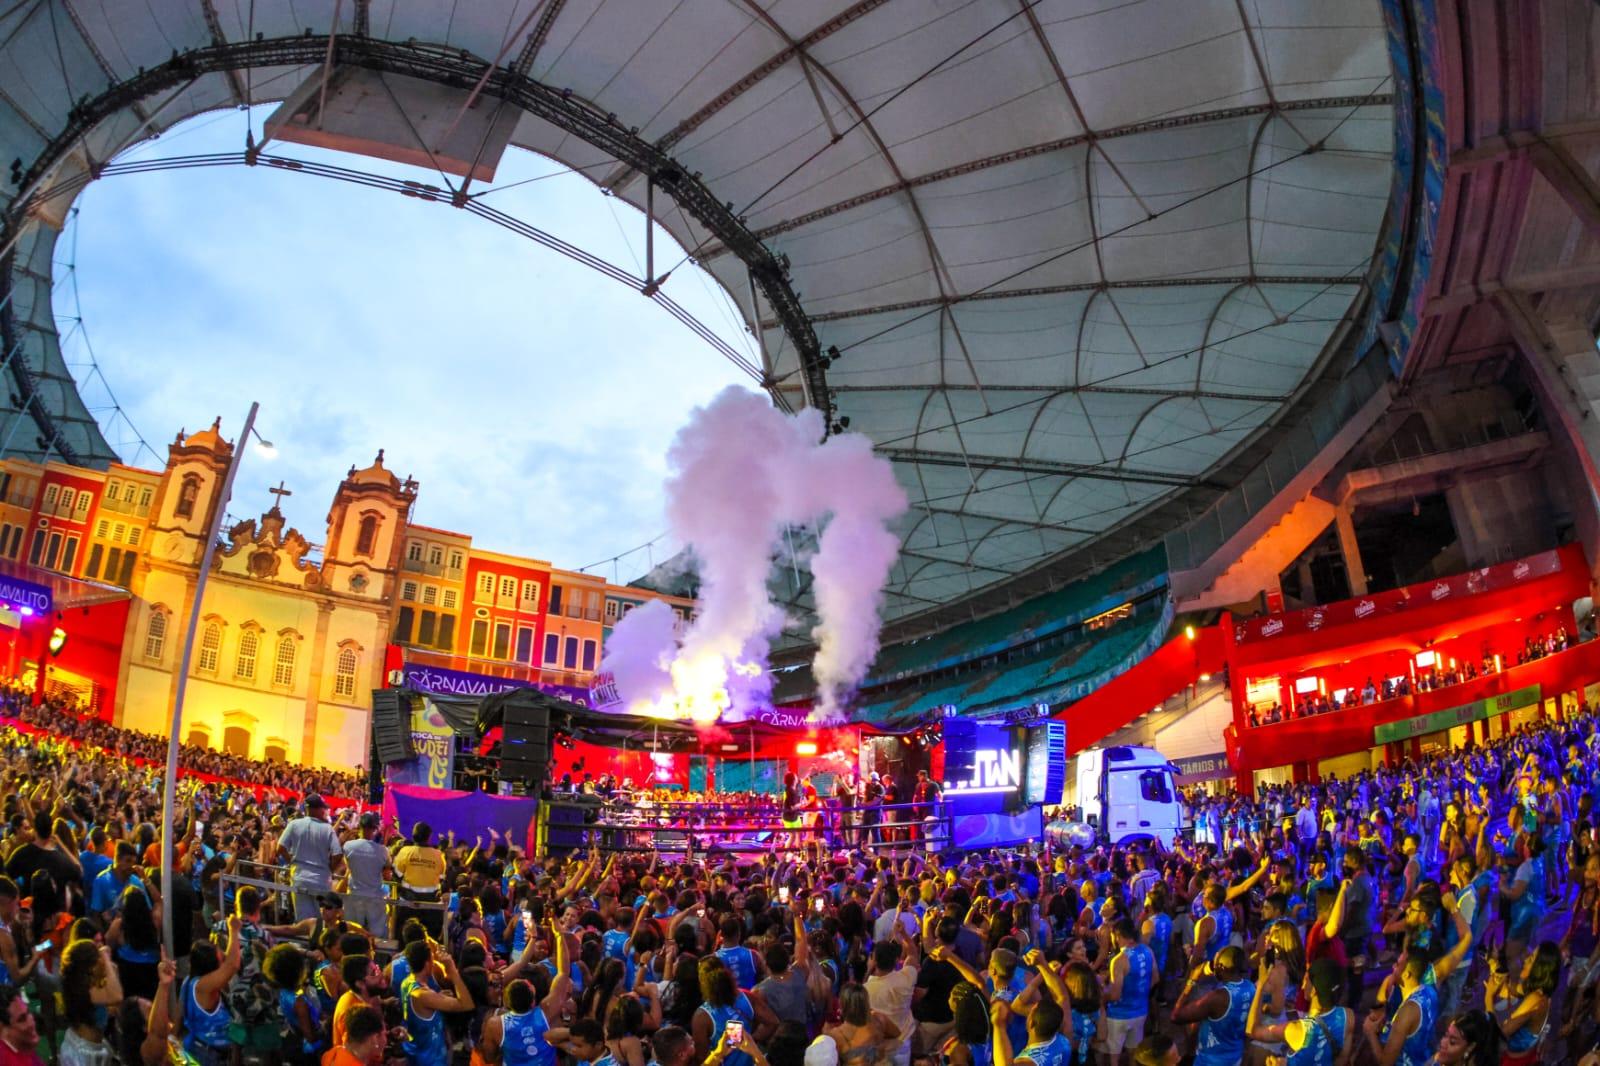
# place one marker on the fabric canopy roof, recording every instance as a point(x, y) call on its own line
point(1072, 254)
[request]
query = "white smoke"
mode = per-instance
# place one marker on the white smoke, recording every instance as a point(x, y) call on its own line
point(743, 472)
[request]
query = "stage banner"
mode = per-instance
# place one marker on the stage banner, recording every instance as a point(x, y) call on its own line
point(1471, 583)
point(434, 742)
point(470, 815)
point(437, 680)
point(1437, 721)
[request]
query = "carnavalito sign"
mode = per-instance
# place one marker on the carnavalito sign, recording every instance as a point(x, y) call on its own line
point(1472, 583)
point(20, 594)
point(783, 717)
point(436, 680)
point(1437, 721)
point(1203, 767)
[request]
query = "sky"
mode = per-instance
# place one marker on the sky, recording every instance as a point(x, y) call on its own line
point(533, 399)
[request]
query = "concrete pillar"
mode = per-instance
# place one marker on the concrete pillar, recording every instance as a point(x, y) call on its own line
point(1353, 565)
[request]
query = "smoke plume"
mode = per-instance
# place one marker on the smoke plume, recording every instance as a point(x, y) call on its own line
point(743, 472)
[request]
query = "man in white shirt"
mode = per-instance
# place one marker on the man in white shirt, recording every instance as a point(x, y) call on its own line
point(898, 908)
point(891, 987)
point(1305, 820)
point(312, 849)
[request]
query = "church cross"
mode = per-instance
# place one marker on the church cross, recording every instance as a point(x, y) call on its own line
point(280, 492)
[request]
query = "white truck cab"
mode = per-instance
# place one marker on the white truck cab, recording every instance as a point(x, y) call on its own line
point(1127, 793)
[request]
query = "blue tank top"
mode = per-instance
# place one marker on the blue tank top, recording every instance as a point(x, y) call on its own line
point(1418, 1048)
point(1083, 1030)
point(1317, 1049)
point(1160, 939)
point(204, 1029)
point(1528, 910)
point(1017, 1023)
point(1057, 1051)
point(981, 1054)
point(741, 963)
point(1221, 931)
point(614, 944)
point(1221, 1041)
point(1525, 1038)
point(327, 1002)
point(522, 1041)
point(720, 1016)
point(291, 1022)
point(1135, 999)
point(425, 1043)
point(573, 972)
point(1336, 1020)
point(1197, 906)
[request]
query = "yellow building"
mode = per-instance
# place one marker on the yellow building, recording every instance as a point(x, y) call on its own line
point(289, 646)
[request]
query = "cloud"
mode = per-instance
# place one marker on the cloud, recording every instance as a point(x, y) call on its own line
point(532, 399)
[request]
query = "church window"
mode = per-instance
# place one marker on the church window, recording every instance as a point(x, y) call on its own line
point(367, 538)
point(344, 677)
point(155, 635)
point(244, 667)
point(283, 663)
point(210, 649)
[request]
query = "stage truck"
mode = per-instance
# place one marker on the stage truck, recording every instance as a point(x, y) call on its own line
point(1125, 794)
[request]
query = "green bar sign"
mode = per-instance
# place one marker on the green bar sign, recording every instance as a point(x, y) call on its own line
point(1437, 721)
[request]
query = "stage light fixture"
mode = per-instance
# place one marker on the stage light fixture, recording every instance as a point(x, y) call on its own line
point(58, 640)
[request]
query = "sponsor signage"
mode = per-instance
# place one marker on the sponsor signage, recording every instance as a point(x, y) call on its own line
point(1472, 583)
point(436, 680)
point(1437, 721)
point(25, 596)
point(1203, 767)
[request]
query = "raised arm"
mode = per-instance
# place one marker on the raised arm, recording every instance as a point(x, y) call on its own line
point(1250, 882)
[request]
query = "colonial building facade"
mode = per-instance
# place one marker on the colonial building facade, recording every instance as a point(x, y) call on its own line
point(297, 628)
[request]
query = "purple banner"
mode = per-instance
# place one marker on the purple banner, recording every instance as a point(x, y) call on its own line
point(470, 815)
point(439, 681)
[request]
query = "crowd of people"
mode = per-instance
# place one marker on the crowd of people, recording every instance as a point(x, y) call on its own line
point(1441, 674)
point(1442, 911)
point(64, 716)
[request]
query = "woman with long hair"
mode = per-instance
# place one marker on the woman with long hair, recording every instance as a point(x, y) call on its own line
point(90, 990)
point(680, 993)
point(970, 1043)
point(1083, 1008)
point(1522, 1007)
point(1469, 1039)
point(624, 1026)
point(596, 999)
point(863, 1036)
point(135, 944)
point(721, 1004)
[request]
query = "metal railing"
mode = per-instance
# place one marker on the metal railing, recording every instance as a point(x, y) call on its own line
point(692, 829)
point(268, 882)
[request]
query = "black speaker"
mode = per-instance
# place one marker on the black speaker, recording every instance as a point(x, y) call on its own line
point(524, 743)
point(391, 726)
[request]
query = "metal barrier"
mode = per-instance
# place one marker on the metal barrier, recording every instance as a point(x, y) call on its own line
point(692, 829)
point(274, 889)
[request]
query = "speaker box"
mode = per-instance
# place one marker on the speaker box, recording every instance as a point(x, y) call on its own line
point(524, 743)
point(391, 726)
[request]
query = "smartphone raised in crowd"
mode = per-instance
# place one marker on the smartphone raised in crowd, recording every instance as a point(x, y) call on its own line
point(735, 1032)
point(819, 903)
point(783, 893)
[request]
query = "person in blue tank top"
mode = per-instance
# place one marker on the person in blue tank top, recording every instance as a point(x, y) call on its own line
point(422, 1007)
point(519, 1035)
point(969, 1043)
point(1047, 1046)
point(1221, 1008)
point(1132, 972)
point(1156, 930)
point(205, 1016)
point(1320, 1037)
point(1215, 927)
point(1522, 1006)
point(1405, 1038)
point(1523, 885)
point(744, 964)
point(721, 1003)
point(300, 1022)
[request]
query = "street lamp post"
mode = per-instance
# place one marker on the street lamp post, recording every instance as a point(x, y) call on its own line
point(170, 794)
